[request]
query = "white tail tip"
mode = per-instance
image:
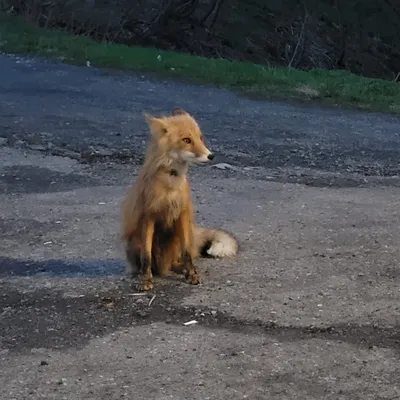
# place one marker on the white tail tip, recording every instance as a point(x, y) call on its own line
point(223, 245)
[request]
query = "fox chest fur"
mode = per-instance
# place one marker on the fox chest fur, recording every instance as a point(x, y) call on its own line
point(167, 199)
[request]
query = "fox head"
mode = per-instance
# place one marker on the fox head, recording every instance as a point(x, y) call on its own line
point(179, 137)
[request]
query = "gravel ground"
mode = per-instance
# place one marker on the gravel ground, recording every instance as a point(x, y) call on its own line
point(308, 310)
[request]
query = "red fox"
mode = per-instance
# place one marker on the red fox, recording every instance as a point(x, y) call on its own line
point(157, 214)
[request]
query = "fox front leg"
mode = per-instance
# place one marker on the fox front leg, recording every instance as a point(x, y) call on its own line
point(146, 276)
point(185, 234)
point(191, 273)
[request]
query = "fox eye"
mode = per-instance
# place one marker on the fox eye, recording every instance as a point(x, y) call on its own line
point(187, 140)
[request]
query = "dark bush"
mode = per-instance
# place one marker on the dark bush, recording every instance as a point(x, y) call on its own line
point(361, 36)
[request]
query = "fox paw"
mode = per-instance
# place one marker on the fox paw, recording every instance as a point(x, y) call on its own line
point(145, 285)
point(193, 279)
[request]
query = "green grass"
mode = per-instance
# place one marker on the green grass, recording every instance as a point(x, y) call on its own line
point(325, 87)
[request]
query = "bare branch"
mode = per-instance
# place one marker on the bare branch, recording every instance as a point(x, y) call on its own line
point(300, 37)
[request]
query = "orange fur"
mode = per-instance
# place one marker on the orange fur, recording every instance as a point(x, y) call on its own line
point(157, 214)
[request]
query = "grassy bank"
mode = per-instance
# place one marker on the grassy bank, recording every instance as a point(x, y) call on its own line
point(328, 87)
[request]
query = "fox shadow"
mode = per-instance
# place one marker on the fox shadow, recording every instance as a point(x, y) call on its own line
point(74, 268)
point(61, 268)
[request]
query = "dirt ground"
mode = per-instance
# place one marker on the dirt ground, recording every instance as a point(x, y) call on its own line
point(309, 309)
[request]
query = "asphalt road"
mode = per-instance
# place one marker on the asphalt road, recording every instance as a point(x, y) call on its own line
point(308, 310)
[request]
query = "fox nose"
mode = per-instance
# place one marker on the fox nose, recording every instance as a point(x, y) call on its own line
point(210, 156)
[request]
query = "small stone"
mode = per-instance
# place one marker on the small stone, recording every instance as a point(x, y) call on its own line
point(3, 141)
point(37, 147)
point(225, 166)
point(104, 152)
point(192, 322)
point(213, 313)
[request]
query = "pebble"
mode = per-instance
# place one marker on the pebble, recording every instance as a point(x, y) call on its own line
point(103, 152)
point(225, 166)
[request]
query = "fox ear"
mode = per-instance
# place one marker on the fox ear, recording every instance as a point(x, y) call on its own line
point(156, 125)
point(178, 111)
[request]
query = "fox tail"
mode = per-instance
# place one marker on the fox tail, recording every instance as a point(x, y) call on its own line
point(214, 242)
